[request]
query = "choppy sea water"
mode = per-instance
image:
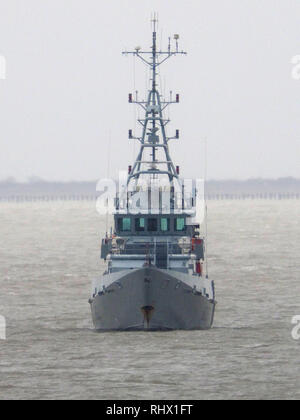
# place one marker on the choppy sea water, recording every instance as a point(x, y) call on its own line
point(49, 253)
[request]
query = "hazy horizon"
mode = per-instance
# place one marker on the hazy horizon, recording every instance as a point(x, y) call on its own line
point(35, 180)
point(64, 104)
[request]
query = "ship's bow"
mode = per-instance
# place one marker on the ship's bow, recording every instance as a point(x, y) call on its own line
point(151, 299)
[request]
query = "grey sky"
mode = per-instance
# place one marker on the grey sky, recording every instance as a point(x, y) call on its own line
point(65, 97)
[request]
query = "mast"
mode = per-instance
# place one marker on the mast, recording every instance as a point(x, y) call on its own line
point(154, 123)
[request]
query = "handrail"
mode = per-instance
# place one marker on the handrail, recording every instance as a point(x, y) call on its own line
point(151, 248)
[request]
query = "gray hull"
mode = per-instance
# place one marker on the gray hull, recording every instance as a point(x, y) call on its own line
point(151, 299)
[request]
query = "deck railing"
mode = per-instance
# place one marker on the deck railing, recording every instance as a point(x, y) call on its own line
point(153, 248)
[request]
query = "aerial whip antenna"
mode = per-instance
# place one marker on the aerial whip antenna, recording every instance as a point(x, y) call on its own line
point(206, 212)
point(107, 175)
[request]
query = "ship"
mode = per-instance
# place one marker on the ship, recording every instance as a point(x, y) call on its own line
point(156, 277)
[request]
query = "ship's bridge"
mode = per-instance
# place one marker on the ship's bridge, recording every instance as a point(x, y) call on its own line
point(153, 225)
point(168, 241)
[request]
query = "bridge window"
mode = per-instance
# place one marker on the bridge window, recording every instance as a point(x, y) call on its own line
point(152, 225)
point(124, 224)
point(165, 224)
point(140, 224)
point(179, 224)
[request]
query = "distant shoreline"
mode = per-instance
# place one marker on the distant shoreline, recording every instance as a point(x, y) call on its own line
point(39, 190)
